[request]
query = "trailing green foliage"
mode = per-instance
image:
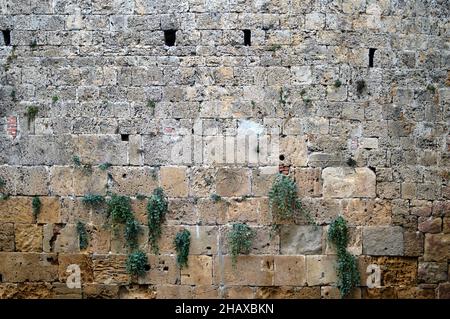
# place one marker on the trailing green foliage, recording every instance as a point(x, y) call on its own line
point(215, 198)
point(283, 197)
point(76, 160)
point(136, 263)
point(431, 88)
point(140, 196)
point(351, 162)
point(33, 44)
point(156, 211)
point(119, 208)
point(31, 113)
point(93, 199)
point(105, 166)
point(131, 233)
point(55, 99)
point(151, 104)
point(182, 243)
point(36, 205)
point(2, 182)
point(240, 240)
point(83, 235)
point(347, 269)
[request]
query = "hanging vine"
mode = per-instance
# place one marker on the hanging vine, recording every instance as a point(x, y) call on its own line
point(156, 211)
point(182, 242)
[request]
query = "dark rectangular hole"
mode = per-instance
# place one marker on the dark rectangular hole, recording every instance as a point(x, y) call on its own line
point(125, 137)
point(371, 55)
point(7, 37)
point(170, 37)
point(247, 37)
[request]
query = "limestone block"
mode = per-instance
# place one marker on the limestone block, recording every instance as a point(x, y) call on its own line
point(173, 292)
point(383, 241)
point(309, 182)
point(320, 270)
point(238, 292)
point(181, 211)
point(398, 271)
point(163, 270)
point(134, 180)
point(89, 182)
point(262, 179)
point(249, 270)
point(67, 240)
point(330, 292)
point(174, 181)
point(294, 150)
point(430, 225)
point(265, 242)
point(212, 213)
point(367, 212)
point(61, 180)
point(50, 210)
point(32, 181)
point(290, 271)
point(341, 182)
point(100, 291)
point(198, 272)
point(202, 181)
point(300, 240)
point(81, 260)
point(203, 240)
point(233, 182)
point(432, 272)
point(437, 247)
point(6, 237)
point(16, 210)
point(28, 237)
point(413, 243)
point(20, 267)
point(98, 149)
point(110, 269)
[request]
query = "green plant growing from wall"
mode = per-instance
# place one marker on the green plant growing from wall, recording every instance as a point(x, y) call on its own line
point(93, 199)
point(156, 210)
point(337, 83)
point(131, 233)
point(182, 242)
point(3, 196)
point(140, 196)
point(360, 86)
point(136, 263)
point(151, 104)
point(283, 197)
point(119, 208)
point(87, 168)
point(351, 162)
point(347, 269)
point(2, 183)
point(83, 235)
point(76, 161)
point(274, 47)
point(31, 113)
point(282, 99)
point(105, 166)
point(240, 240)
point(215, 198)
point(431, 88)
point(33, 44)
point(55, 99)
point(36, 205)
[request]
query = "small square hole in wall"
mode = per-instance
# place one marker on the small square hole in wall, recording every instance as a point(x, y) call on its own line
point(170, 37)
point(247, 37)
point(125, 137)
point(371, 56)
point(6, 37)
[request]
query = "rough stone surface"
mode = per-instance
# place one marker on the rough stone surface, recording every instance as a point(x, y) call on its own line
point(343, 182)
point(300, 240)
point(381, 241)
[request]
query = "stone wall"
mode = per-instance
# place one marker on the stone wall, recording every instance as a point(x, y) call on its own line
point(354, 92)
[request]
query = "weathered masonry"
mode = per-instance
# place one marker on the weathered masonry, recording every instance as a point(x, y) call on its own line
point(208, 100)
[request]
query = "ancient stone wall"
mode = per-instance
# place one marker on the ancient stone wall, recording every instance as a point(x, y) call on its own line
point(351, 96)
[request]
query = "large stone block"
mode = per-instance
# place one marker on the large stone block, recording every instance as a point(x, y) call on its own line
point(202, 181)
point(28, 238)
point(16, 210)
point(81, 260)
point(198, 272)
point(163, 270)
point(309, 182)
point(32, 180)
point(212, 212)
point(110, 269)
point(262, 180)
point(432, 272)
point(21, 267)
point(174, 181)
point(320, 270)
point(341, 182)
point(287, 293)
point(233, 182)
point(89, 181)
point(265, 242)
point(249, 270)
point(293, 150)
point(50, 211)
point(98, 149)
point(367, 212)
point(100, 291)
point(383, 241)
point(290, 271)
point(134, 180)
point(397, 271)
point(300, 240)
point(6, 237)
point(61, 180)
point(437, 247)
